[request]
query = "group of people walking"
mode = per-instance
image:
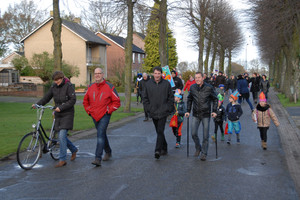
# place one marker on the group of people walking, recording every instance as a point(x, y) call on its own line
point(160, 100)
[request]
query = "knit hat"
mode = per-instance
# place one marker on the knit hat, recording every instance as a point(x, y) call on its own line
point(221, 85)
point(235, 95)
point(221, 98)
point(177, 93)
point(262, 97)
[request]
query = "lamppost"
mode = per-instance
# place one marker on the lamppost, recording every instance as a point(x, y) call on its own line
point(168, 47)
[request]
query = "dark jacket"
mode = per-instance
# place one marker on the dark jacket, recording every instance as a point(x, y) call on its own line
point(231, 84)
point(201, 99)
point(234, 112)
point(220, 114)
point(220, 79)
point(178, 83)
point(180, 107)
point(242, 86)
point(142, 85)
point(158, 99)
point(64, 98)
point(264, 86)
point(255, 84)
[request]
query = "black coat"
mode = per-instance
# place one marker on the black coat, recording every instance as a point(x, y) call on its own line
point(201, 98)
point(220, 114)
point(158, 99)
point(64, 98)
point(178, 83)
point(255, 84)
point(231, 84)
point(142, 85)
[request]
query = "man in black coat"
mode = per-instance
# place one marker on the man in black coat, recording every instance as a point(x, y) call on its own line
point(255, 81)
point(159, 103)
point(177, 81)
point(143, 82)
point(220, 79)
point(201, 96)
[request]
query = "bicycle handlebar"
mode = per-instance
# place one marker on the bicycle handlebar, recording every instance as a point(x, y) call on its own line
point(43, 107)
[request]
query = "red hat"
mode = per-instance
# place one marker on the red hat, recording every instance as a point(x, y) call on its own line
point(262, 97)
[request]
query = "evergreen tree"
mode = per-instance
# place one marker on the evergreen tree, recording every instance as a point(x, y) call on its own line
point(152, 43)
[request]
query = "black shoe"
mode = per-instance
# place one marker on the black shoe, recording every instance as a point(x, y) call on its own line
point(157, 155)
point(164, 152)
point(97, 162)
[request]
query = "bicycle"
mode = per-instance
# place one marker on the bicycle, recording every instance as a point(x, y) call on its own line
point(34, 143)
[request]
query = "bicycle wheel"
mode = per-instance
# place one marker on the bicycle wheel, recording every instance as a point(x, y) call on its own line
point(54, 150)
point(29, 151)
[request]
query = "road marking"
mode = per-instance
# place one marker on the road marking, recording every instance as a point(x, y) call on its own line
point(114, 195)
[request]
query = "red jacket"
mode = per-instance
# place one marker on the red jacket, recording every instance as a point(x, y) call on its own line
point(101, 98)
point(188, 85)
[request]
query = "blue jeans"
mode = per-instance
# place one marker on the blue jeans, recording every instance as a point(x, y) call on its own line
point(248, 101)
point(195, 126)
point(65, 143)
point(102, 141)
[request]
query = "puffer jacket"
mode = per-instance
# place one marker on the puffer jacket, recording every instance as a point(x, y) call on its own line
point(101, 98)
point(158, 99)
point(201, 99)
point(263, 115)
point(64, 98)
point(220, 114)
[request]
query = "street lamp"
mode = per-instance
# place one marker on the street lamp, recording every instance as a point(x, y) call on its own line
point(168, 47)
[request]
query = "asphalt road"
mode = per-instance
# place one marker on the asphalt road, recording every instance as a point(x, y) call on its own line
point(242, 171)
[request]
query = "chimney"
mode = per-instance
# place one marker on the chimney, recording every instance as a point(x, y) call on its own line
point(77, 20)
point(51, 13)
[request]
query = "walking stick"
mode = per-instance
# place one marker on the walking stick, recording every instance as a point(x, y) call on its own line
point(187, 138)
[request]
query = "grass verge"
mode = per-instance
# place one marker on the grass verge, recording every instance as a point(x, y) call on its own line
point(286, 102)
point(17, 118)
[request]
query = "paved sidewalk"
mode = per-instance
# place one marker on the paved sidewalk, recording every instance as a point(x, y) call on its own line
point(290, 138)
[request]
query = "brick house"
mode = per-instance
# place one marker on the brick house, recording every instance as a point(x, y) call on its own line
point(80, 47)
point(116, 54)
point(139, 40)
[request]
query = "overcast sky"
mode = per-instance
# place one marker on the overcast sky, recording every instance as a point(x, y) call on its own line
point(186, 52)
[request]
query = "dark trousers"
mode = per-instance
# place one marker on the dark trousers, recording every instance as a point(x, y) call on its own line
point(161, 143)
point(254, 95)
point(219, 124)
point(176, 132)
point(263, 133)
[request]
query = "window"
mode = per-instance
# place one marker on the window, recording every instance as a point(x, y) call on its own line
point(139, 58)
point(133, 57)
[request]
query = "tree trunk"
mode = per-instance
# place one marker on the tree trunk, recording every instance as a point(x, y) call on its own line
point(162, 32)
point(208, 48)
point(212, 64)
point(56, 34)
point(229, 63)
point(128, 57)
point(222, 59)
point(201, 44)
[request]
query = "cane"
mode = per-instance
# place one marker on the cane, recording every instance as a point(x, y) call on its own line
point(187, 138)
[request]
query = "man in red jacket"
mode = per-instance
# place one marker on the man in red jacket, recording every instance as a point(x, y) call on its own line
point(100, 100)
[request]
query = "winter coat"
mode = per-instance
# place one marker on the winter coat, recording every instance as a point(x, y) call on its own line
point(201, 98)
point(64, 98)
point(231, 84)
point(255, 84)
point(264, 86)
point(220, 114)
point(234, 112)
point(220, 79)
point(188, 85)
point(158, 99)
point(263, 116)
point(178, 83)
point(101, 98)
point(242, 86)
point(142, 86)
point(180, 107)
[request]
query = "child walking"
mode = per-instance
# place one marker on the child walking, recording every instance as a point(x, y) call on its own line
point(180, 110)
point(263, 114)
point(234, 112)
point(219, 118)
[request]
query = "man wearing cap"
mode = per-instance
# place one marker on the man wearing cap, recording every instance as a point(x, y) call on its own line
point(203, 99)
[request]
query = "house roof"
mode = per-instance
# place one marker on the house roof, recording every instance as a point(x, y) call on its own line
point(141, 35)
point(84, 33)
point(121, 42)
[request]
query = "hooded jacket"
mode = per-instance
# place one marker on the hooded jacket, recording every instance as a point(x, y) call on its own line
point(201, 99)
point(234, 112)
point(264, 115)
point(158, 98)
point(64, 98)
point(101, 98)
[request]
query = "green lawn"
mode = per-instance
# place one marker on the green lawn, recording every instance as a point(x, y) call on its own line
point(17, 118)
point(285, 101)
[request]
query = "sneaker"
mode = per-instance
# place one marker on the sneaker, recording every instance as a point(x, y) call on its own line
point(238, 141)
point(106, 157)
point(203, 157)
point(228, 141)
point(97, 162)
point(177, 145)
point(213, 138)
point(157, 155)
